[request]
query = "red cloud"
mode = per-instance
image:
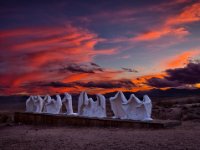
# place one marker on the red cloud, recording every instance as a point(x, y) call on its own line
point(153, 35)
point(188, 15)
point(29, 55)
point(179, 60)
point(169, 27)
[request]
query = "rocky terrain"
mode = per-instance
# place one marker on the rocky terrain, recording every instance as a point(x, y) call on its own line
point(23, 137)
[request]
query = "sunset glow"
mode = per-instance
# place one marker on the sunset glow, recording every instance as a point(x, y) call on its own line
point(99, 47)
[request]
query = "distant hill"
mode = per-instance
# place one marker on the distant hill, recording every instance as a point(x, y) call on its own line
point(13, 99)
point(154, 94)
point(158, 94)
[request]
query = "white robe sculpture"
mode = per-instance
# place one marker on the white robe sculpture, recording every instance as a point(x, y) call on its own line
point(100, 106)
point(148, 107)
point(133, 109)
point(117, 107)
point(53, 106)
point(83, 101)
point(67, 101)
point(34, 104)
point(89, 108)
point(30, 107)
point(47, 100)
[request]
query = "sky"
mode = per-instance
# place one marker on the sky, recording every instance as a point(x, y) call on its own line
point(56, 46)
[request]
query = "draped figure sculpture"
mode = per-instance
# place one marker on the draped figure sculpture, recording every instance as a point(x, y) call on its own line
point(30, 107)
point(133, 109)
point(100, 106)
point(90, 108)
point(148, 107)
point(67, 101)
point(117, 107)
point(51, 105)
point(83, 101)
point(34, 104)
point(47, 100)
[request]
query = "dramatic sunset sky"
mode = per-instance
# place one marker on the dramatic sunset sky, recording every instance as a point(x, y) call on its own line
point(100, 46)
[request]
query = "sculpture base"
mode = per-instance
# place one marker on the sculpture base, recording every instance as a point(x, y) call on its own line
point(62, 120)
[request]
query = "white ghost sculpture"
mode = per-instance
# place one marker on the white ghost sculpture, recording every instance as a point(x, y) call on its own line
point(148, 107)
point(47, 100)
point(133, 109)
point(34, 104)
point(100, 110)
point(82, 102)
point(117, 107)
point(67, 101)
point(30, 107)
point(53, 106)
point(90, 108)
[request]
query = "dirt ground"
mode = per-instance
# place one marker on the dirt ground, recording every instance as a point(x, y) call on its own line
point(184, 137)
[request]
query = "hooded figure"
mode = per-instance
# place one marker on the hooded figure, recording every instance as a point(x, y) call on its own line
point(117, 107)
point(67, 101)
point(90, 108)
point(133, 109)
point(34, 104)
point(148, 107)
point(30, 107)
point(83, 101)
point(53, 106)
point(47, 100)
point(100, 110)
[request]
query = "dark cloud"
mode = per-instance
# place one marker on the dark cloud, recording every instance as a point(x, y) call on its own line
point(92, 84)
point(187, 75)
point(58, 84)
point(108, 84)
point(161, 83)
point(177, 77)
point(82, 68)
point(47, 84)
point(130, 70)
point(94, 64)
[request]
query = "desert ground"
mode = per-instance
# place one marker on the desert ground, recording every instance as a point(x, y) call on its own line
point(184, 137)
point(23, 137)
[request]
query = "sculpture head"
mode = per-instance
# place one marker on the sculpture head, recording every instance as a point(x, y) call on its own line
point(57, 96)
point(99, 97)
point(122, 97)
point(68, 96)
point(47, 99)
point(146, 98)
point(90, 100)
point(35, 97)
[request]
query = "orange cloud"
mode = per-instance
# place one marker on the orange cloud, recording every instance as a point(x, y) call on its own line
point(28, 77)
point(141, 82)
point(104, 91)
point(153, 35)
point(180, 60)
point(197, 85)
point(168, 28)
point(75, 77)
point(188, 15)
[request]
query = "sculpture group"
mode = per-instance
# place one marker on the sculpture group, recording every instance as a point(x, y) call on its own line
point(133, 108)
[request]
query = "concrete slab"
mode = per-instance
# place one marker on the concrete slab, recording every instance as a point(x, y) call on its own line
point(63, 120)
